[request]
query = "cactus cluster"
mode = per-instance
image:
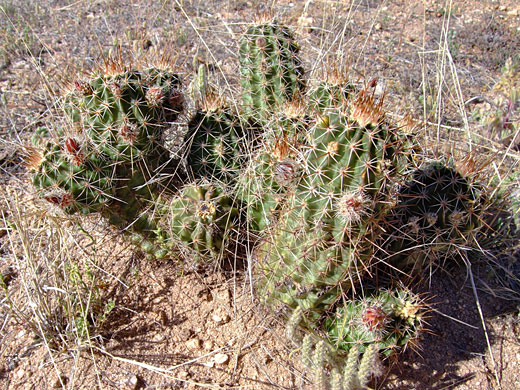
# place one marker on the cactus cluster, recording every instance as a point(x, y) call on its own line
point(388, 319)
point(323, 242)
point(324, 184)
point(104, 158)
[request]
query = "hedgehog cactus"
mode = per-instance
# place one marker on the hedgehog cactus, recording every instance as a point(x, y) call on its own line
point(274, 169)
point(438, 211)
point(106, 161)
point(203, 218)
point(125, 114)
point(71, 177)
point(324, 240)
point(331, 93)
point(357, 334)
point(271, 72)
point(390, 319)
point(217, 142)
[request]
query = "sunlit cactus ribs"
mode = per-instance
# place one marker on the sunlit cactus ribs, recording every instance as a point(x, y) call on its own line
point(439, 211)
point(275, 167)
point(331, 92)
point(324, 240)
point(124, 113)
point(271, 72)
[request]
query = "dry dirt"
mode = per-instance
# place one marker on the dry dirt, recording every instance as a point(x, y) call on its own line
point(173, 328)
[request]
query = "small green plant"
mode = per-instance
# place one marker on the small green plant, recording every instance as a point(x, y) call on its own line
point(271, 72)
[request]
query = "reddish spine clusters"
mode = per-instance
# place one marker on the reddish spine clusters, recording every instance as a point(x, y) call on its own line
point(374, 318)
point(73, 149)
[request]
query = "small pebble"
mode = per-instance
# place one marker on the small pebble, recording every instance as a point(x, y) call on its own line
point(208, 345)
point(19, 373)
point(193, 344)
point(220, 318)
point(131, 383)
point(220, 358)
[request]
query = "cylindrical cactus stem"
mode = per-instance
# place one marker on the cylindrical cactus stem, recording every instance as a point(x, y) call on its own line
point(275, 168)
point(332, 92)
point(218, 142)
point(202, 219)
point(307, 344)
point(438, 211)
point(293, 323)
point(318, 365)
point(336, 380)
point(367, 365)
point(271, 72)
point(351, 368)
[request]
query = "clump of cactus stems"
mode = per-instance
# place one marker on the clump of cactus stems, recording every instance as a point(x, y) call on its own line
point(111, 148)
point(356, 335)
point(108, 156)
point(355, 373)
point(323, 242)
point(329, 185)
point(113, 164)
point(322, 199)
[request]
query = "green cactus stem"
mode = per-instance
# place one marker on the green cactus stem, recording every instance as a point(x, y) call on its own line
point(202, 219)
point(271, 72)
point(324, 240)
point(125, 114)
point(218, 142)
